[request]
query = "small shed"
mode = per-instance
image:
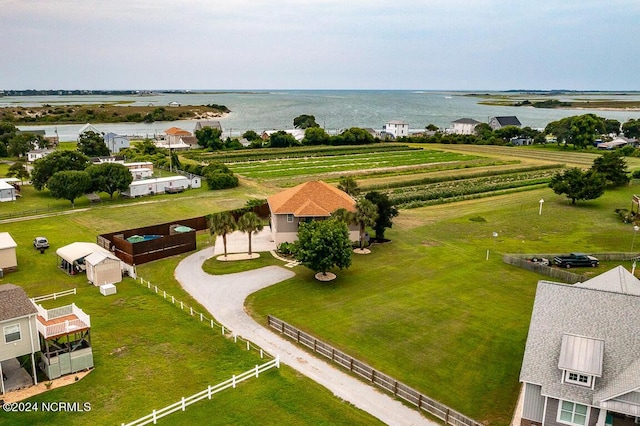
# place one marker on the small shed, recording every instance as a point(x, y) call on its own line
point(73, 256)
point(7, 191)
point(103, 268)
point(8, 259)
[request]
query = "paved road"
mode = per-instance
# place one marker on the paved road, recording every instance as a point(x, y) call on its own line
point(224, 296)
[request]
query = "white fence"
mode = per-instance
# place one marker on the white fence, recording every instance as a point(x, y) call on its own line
point(202, 317)
point(207, 393)
point(54, 296)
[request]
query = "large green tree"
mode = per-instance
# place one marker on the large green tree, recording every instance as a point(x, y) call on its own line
point(631, 128)
point(366, 215)
point(305, 121)
point(221, 224)
point(613, 167)
point(578, 185)
point(282, 139)
point(580, 131)
point(109, 178)
point(386, 212)
point(20, 144)
point(57, 161)
point(353, 136)
point(92, 144)
point(69, 185)
point(251, 224)
point(209, 137)
point(322, 245)
point(7, 132)
point(316, 136)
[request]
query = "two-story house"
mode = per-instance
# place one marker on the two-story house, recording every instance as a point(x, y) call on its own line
point(19, 336)
point(581, 363)
point(396, 128)
point(464, 126)
point(499, 122)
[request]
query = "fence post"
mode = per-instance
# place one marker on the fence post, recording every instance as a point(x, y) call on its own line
point(155, 419)
point(183, 405)
point(278, 361)
point(200, 317)
point(164, 294)
point(257, 372)
point(173, 300)
point(211, 323)
point(181, 306)
point(420, 401)
point(248, 347)
point(222, 330)
point(234, 381)
point(373, 375)
point(235, 338)
point(298, 336)
point(446, 417)
point(209, 390)
point(156, 289)
point(261, 356)
point(191, 311)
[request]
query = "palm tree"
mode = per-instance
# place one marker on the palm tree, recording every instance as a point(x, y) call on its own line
point(366, 215)
point(349, 185)
point(343, 215)
point(250, 223)
point(222, 224)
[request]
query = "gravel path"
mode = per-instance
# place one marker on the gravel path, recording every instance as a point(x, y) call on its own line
point(224, 296)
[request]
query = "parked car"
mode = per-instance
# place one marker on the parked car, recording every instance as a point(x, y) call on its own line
point(40, 243)
point(540, 261)
point(575, 259)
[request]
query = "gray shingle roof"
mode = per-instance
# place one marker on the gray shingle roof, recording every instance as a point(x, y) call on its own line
point(591, 312)
point(14, 302)
point(466, 121)
point(510, 120)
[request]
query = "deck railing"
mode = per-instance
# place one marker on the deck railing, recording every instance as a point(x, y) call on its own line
point(81, 320)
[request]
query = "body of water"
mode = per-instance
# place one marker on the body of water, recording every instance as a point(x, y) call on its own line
point(334, 110)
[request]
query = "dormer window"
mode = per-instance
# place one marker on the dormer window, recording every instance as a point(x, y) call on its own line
point(578, 378)
point(581, 360)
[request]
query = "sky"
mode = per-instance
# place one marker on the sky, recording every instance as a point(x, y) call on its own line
point(320, 44)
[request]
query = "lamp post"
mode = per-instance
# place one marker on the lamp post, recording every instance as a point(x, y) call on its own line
point(495, 235)
point(541, 203)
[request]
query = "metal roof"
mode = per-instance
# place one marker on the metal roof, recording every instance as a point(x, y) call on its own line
point(581, 355)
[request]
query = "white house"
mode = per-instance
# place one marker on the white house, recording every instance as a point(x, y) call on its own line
point(464, 126)
point(397, 128)
point(37, 154)
point(116, 142)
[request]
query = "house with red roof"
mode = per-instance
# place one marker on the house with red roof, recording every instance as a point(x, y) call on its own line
point(173, 135)
point(315, 200)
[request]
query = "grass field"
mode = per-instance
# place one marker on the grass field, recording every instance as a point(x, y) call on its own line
point(149, 354)
point(428, 308)
point(274, 169)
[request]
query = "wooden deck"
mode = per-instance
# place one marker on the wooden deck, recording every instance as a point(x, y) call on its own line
point(63, 325)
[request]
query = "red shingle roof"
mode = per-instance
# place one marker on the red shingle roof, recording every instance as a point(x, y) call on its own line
point(177, 132)
point(314, 198)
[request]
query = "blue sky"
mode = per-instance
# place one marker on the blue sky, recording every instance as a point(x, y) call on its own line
point(320, 44)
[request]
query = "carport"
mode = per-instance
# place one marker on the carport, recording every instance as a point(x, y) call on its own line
point(71, 257)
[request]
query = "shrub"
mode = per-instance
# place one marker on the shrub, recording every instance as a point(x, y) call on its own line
point(285, 249)
point(218, 180)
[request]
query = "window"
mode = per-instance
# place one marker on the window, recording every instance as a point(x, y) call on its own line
point(12, 333)
point(573, 414)
point(289, 217)
point(577, 378)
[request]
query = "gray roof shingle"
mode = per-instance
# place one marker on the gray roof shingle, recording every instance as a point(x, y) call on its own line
point(597, 313)
point(14, 302)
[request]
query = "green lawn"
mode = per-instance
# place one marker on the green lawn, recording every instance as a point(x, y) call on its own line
point(149, 354)
point(429, 310)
